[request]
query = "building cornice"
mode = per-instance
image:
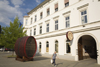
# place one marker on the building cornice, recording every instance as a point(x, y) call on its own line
point(26, 16)
point(83, 6)
point(39, 6)
point(75, 31)
point(66, 12)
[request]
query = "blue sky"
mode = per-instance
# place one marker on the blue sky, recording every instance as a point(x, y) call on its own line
point(9, 9)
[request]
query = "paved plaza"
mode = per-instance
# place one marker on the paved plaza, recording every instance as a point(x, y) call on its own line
point(40, 61)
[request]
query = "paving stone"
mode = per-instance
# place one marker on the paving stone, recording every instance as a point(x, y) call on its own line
point(40, 61)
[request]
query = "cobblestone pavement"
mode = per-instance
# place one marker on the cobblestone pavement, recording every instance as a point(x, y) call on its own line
point(40, 61)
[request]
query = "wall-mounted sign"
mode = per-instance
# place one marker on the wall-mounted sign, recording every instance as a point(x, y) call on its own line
point(69, 35)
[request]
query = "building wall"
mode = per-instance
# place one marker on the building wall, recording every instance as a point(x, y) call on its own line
point(92, 27)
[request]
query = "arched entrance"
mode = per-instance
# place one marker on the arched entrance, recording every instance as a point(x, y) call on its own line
point(56, 46)
point(40, 47)
point(47, 46)
point(87, 47)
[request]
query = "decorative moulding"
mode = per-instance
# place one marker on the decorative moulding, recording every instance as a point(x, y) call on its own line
point(82, 6)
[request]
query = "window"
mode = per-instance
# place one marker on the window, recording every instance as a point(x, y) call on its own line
point(35, 18)
point(47, 46)
point(47, 29)
point(56, 7)
point(66, 3)
point(34, 31)
point(56, 25)
point(40, 47)
point(68, 47)
point(48, 11)
point(84, 16)
point(26, 22)
point(67, 22)
point(30, 32)
point(41, 15)
point(40, 29)
point(31, 20)
point(56, 46)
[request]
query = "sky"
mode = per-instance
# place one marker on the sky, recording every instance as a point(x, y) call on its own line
point(9, 9)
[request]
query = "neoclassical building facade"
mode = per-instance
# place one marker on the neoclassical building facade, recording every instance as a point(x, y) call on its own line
point(52, 20)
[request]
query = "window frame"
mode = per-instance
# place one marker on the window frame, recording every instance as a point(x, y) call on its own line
point(80, 9)
point(40, 46)
point(57, 43)
point(31, 20)
point(67, 4)
point(47, 27)
point(41, 15)
point(83, 19)
point(56, 7)
point(56, 25)
point(48, 11)
point(66, 46)
point(40, 29)
point(47, 46)
point(34, 31)
point(67, 25)
point(35, 18)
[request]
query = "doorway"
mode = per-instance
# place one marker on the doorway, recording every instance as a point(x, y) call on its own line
point(87, 47)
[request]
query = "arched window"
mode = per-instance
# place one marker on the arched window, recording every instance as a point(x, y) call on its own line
point(68, 47)
point(47, 46)
point(40, 47)
point(56, 46)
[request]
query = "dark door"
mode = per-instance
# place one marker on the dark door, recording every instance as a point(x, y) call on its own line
point(80, 51)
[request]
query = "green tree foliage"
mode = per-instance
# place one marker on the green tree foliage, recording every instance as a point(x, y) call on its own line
point(10, 34)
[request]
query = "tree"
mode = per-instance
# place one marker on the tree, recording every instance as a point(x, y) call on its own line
point(10, 34)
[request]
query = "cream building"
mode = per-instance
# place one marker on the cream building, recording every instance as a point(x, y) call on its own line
point(52, 19)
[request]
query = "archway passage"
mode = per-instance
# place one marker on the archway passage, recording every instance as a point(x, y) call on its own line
point(87, 47)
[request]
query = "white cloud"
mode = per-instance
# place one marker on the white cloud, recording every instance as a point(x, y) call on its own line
point(16, 3)
point(7, 12)
point(38, 1)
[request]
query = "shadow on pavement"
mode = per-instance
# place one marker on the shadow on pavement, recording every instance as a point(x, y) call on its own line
point(38, 54)
point(58, 64)
point(39, 58)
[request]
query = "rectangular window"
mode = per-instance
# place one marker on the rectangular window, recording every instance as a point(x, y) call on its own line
point(56, 7)
point(67, 21)
point(26, 22)
point(47, 29)
point(40, 29)
point(31, 20)
point(56, 25)
point(35, 18)
point(48, 11)
point(66, 3)
point(41, 15)
point(84, 16)
point(30, 32)
point(34, 31)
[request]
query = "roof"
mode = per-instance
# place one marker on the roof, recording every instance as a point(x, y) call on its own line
point(40, 5)
point(26, 16)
